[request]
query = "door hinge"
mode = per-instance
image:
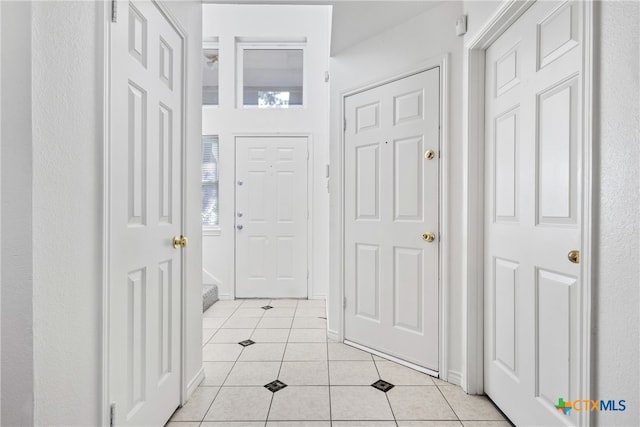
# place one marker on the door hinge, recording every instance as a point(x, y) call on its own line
point(114, 11)
point(345, 124)
point(112, 414)
point(326, 76)
point(344, 302)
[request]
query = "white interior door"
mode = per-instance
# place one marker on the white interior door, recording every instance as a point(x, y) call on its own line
point(145, 215)
point(271, 217)
point(391, 200)
point(533, 214)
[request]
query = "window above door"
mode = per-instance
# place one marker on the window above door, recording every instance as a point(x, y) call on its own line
point(271, 75)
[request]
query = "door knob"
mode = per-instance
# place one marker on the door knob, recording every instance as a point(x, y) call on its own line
point(429, 154)
point(239, 227)
point(429, 237)
point(574, 256)
point(180, 242)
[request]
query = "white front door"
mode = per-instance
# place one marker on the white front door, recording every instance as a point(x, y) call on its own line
point(145, 214)
point(533, 215)
point(271, 217)
point(391, 200)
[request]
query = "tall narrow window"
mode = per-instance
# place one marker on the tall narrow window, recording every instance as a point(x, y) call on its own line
point(271, 76)
point(210, 75)
point(210, 208)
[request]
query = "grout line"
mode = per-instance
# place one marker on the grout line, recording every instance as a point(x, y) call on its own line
point(395, 420)
point(446, 400)
point(326, 329)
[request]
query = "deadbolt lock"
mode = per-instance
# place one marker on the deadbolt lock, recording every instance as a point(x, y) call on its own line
point(180, 242)
point(429, 237)
point(429, 154)
point(574, 256)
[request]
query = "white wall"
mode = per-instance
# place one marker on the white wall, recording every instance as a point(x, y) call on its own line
point(616, 269)
point(390, 53)
point(271, 22)
point(17, 245)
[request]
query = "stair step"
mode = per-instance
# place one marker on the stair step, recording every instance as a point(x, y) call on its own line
point(209, 296)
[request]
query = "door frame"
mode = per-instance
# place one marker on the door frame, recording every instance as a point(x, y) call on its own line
point(473, 152)
point(441, 61)
point(106, 12)
point(309, 138)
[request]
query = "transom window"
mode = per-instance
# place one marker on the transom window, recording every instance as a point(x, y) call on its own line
point(210, 73)
point(210, 207)
point(271, 75)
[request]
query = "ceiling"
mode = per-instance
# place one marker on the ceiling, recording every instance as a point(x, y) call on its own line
point(354, 21)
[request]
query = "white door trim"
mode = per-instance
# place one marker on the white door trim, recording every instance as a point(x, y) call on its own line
point(473, 210)
point(309, 138)
point(442, 62)
point(106, 205)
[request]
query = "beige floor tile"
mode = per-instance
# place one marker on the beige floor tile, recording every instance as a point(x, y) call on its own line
point(241, 323)
point(486, 424)
point(305, 351)
point(308, 335)
point(183, 424)
point(309, 323)
point(253, 373)
point(213, 322)
point(352, 373)
point(207, 334)
point(275, 323)
point(218, 312)
point(304, 373)
point(468, 407)
point(255, 303)
point(401, 375)
point(282, 303)
point(221, 352)
point(298, 424)
point(364, 424)
point(197, 406)
point(231, 336)
point(240, 404)
point(312, 303)
point(232, 424)
point(311, 312)
point(280, 312)
point(429, 424)
point(263, 352)
point(339, 351)
point(270, 335)
point(438, 381)
point(359, 403)
point(419, 403)
point(215, 372)
point(300, 403)
point(228, 303)
point(248, 312)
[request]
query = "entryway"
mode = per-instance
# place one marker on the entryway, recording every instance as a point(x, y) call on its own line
point(391, 219)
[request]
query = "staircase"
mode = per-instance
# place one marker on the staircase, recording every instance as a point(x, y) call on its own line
point(209, 296)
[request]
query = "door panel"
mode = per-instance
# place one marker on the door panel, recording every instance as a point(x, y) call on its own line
point(145, 215)
point(532, 217)
point(271, 217)
point(391, 199)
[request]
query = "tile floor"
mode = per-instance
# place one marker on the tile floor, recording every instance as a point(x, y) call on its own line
point(328, 384)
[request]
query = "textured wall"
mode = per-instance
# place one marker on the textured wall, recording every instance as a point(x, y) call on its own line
point(616, 278)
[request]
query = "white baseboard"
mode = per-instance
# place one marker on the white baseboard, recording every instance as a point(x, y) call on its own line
point(193, 384)
point(454, 377)
point(333, 335)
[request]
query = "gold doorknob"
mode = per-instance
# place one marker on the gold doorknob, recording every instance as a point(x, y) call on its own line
point(180, 242)
point(429, 237)
point(574, 256)
point(429, 154)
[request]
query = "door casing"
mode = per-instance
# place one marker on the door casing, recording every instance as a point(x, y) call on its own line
point(310, 152)
point(473, 181)
point(442, 62)
point(106, 208)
